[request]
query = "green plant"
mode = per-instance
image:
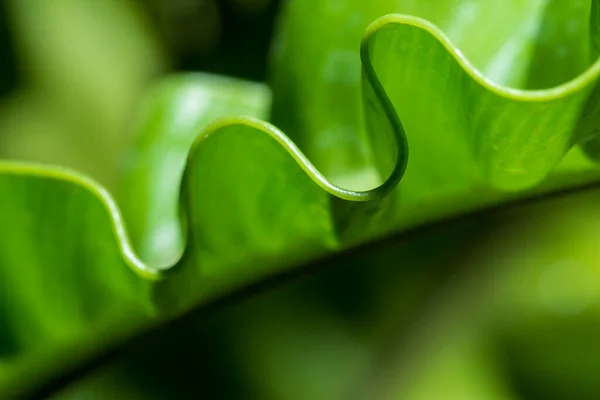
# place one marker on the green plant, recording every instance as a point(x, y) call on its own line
point(441, 138)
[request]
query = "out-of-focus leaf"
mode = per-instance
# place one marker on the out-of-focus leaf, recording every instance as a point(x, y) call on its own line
point(83, 66)
point(252, 204)
point(521, 321)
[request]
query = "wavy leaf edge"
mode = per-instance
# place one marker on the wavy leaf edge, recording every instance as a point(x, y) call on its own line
point(151, 272)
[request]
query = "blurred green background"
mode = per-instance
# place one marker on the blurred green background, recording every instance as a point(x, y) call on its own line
point(73, 72)
point(501, 307)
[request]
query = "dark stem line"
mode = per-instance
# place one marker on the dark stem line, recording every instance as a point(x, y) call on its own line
point(121, 348)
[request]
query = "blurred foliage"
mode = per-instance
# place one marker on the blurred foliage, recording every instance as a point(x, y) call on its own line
point(8, 67)
point(229, 37)
point(68, 110)
point(501, 308)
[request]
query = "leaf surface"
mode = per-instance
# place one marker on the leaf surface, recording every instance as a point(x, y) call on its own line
point(213, 205)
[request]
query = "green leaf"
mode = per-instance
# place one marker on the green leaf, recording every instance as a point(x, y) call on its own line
point(66, 269)
point(508, 314)
point(254, 201)
point(468, 134)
